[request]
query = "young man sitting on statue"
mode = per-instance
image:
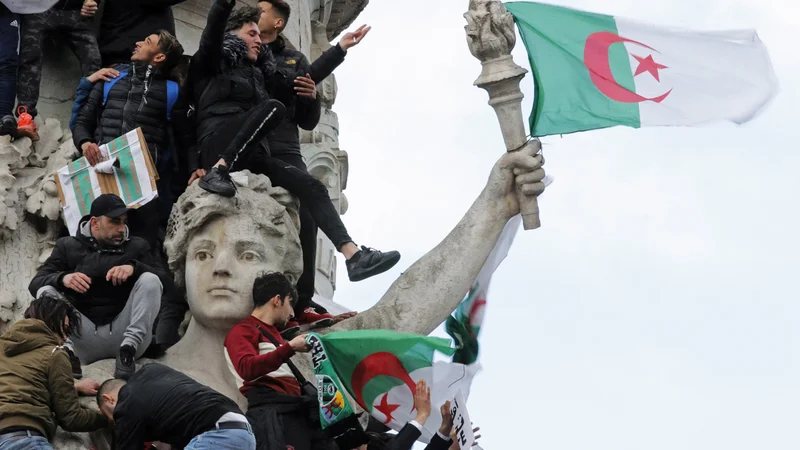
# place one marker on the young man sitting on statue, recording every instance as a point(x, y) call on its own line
point(106, 275)
point(260, 360)
point(228, 76)
point(294, 85)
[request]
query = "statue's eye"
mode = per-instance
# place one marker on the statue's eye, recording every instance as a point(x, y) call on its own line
point(250, 256)
point(202, 255)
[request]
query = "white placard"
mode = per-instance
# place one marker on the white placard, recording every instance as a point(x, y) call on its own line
point(461, 422)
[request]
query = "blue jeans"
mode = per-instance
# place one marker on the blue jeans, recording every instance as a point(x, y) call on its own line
point(220, 439)
point(27, 443)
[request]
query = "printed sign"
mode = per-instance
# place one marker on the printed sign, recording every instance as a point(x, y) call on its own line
point(461, 422)
point(126, 169)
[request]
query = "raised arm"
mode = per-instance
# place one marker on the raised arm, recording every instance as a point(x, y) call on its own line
point(209, 52)
point(425, 295)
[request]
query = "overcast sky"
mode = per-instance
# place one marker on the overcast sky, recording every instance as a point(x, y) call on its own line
point(657, 306)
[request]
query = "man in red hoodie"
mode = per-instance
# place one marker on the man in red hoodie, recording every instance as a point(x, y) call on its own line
point(282, 416)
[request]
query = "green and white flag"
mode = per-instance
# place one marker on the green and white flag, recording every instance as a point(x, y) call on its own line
point(595, 71)
point(465, 323)
point(380, 370)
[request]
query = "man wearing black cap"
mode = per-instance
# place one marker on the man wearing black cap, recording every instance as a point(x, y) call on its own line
point(102, 271)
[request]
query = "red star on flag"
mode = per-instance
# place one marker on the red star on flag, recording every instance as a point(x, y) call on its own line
point(648, 65)
point(386, 409)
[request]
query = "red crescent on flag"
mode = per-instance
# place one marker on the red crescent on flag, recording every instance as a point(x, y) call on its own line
point(595, 57)
point(376, 364)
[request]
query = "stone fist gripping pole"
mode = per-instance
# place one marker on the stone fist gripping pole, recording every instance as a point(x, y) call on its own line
point(490, 35)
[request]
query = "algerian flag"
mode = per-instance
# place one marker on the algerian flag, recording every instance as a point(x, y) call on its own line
point(465, 324)
point(596, 71)
point(380, 370)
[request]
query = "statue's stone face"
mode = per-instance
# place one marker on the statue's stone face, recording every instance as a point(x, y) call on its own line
point(223, 259)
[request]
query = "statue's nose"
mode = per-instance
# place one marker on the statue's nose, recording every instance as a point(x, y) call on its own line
point(223, 263)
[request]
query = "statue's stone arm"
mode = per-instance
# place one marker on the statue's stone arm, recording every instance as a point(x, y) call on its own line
point(433, 287)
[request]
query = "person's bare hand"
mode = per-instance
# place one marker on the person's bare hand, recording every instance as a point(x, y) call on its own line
point(89, 8)
point(353, 38)
point(454, 438)
point(196, 175)
point(87, 386)
point(447, 419)
point(298, 344)
point(422, 401)
point(119, 274)
point(105, 74)
point(92, 152)
point(521, 170)
point(305, 87)
point(77, 281)
point(345, 316)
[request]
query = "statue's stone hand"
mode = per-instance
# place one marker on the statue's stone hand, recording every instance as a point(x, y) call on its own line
point(516, 171)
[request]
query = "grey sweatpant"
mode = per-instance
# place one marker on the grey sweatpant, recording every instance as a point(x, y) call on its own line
point(133, 326)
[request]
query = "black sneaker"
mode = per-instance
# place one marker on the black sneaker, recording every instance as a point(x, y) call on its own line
point(8, 126)
point(126, 362)
point(368, 262)
point(77, 372)
point(218, 181)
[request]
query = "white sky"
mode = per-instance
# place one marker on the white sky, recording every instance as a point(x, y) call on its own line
point(656, 307)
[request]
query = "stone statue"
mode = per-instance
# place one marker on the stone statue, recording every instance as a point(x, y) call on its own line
point(216, 248)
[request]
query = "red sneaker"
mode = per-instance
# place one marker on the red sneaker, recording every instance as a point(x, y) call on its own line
point(310, 315)
point(25, 124)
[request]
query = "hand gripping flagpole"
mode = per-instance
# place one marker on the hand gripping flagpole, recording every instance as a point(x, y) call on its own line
point(491, 37)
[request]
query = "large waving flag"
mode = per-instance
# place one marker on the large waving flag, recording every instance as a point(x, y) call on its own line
point(465, 324)
point(380, 369)
point(595, 71)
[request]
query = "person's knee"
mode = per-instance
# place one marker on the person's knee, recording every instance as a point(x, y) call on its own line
point(150, 282)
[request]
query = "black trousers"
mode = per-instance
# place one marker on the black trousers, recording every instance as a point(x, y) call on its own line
point(281, 420)
point(9, 59)
point(240, 142)
point(308, 241)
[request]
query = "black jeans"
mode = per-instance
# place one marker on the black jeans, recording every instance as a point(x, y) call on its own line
point(9, 59)
point(308, 241)
point(242, 137)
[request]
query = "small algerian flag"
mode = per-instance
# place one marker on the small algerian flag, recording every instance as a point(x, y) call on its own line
point(465, 324)
point(595, 71)
point(380, 369)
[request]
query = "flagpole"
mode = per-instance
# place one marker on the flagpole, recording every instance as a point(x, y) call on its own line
point(491, 37)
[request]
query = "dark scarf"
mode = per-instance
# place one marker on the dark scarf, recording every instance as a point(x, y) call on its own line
point(234, 54)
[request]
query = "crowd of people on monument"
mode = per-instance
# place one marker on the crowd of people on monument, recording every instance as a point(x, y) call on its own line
point(106, 292)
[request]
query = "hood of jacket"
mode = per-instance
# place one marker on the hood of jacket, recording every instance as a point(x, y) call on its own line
point(27, 335)
point(84, 235)
point(234, 54)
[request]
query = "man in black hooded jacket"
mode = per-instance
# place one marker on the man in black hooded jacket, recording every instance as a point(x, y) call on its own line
point(108, 277)
point(228, 75)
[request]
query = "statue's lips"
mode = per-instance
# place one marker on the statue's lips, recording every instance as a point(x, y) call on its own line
point(221, 290)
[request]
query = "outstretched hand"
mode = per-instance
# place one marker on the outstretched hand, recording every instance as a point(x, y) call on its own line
point(521, 170)
point(345, 316)
point(353, 38)
point(422, 401)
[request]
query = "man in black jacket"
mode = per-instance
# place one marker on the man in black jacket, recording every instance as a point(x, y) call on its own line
point(294, 84)
point(124, 22)
point(106, 276)
point(161, 404)
point(228, 74)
